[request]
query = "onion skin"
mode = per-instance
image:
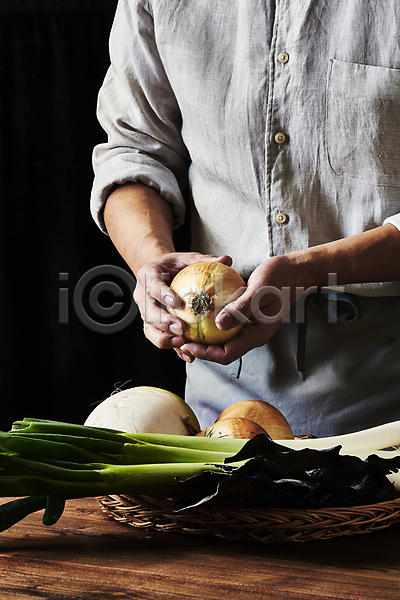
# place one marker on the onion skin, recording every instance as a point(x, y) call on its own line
point(262, 413)
point(233, 428)
point(204, 289)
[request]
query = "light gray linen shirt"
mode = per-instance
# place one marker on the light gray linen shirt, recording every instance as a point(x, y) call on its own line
point(282, 117)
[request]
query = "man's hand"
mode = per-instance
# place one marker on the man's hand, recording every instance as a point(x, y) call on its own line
point(279, 282)
point(270, 293)
point(153, 295)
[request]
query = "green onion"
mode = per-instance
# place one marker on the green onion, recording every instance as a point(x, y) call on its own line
point(97, 480)
point(50, 461)
point(54, 509)
point(83, 432)
point(15, 511)
point(93, 450)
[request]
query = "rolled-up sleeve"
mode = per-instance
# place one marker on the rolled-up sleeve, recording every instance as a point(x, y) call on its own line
point(140, 115)
point(393, 220)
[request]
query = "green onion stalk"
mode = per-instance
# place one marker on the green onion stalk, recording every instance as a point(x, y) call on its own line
point(43, 463)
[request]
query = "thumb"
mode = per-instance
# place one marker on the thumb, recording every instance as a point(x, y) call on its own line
point(225, 259)
point(235, 313)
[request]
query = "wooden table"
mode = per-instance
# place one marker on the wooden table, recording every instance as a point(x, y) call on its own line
point(88, 556)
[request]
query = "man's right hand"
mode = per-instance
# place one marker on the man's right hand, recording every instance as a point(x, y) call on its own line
point(153, 295)
point(139, 222)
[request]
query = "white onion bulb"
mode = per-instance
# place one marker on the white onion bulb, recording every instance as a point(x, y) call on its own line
point(145, 409)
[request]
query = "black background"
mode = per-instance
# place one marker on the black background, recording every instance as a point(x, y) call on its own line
point(53, 58)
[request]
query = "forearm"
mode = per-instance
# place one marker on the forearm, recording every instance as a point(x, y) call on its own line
point(372, 256)
point(139, 223)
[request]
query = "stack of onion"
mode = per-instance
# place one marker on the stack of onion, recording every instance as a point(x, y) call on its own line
point(247, 418)
point(204, 288)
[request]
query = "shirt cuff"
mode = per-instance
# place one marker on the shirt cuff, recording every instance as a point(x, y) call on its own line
point(157, 177)
point(394, 220)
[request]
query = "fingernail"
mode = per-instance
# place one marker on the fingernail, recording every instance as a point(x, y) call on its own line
point(176, 328)
point(187, 357)
point(169, 301)
point(175, 342)
point(224, 320)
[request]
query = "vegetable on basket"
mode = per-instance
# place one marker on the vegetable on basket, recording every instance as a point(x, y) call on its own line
point(48, 462)
point(245, 418)
point(145, 409)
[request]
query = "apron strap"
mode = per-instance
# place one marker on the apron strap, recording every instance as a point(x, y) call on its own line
point(237, 367)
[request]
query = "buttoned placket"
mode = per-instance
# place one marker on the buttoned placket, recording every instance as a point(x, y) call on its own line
point(277, 138)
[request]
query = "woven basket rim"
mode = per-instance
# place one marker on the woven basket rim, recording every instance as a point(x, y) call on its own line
point(266, 525)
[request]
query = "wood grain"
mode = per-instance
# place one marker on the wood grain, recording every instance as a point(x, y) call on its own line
point(88, 556)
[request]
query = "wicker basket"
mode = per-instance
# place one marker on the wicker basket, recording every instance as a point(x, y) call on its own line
point(257, 525)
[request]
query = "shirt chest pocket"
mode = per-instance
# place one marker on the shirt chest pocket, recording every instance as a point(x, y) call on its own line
point(363, 122)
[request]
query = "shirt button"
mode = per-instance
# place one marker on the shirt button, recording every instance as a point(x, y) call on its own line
point(280, 138)
point(283, 57)
point(281, 218)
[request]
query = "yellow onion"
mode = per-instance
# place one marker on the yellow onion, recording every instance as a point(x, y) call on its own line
point(232, 428)
point(262, 413)
point(204, 289)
